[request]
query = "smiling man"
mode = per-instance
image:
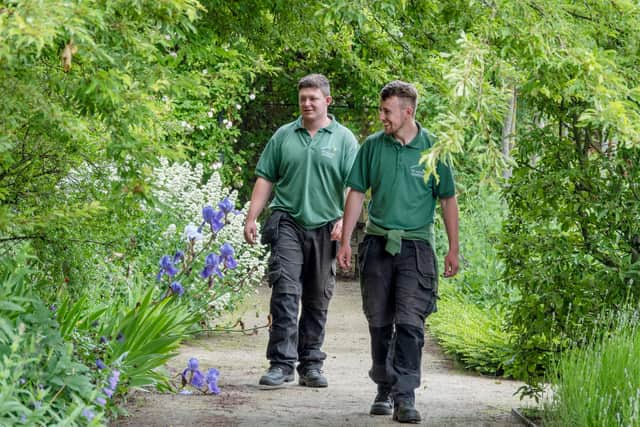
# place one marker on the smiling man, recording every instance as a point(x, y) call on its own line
point(307, 163)
point(397, 262)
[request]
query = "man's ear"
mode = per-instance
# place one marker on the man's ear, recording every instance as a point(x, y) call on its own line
point(328, 100)
point(409, 110)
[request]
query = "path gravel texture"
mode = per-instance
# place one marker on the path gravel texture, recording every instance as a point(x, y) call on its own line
point(447, 396)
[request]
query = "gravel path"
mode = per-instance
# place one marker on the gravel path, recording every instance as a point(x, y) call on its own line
point(447, 397)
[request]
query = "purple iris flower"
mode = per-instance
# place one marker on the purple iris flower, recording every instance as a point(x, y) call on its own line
point(179, 256)
point(226, 250)
point(208, 213)
point(100, 364)
point(226, 253)
point(213, 218)
point(217, 223)
point(212, 265)
point(166, 267)
point(226, 206)
point(230, 263)
point(107, 391)
point(193, 364)
point(103, 339)
point(197, 380)
point(101, 401)
point(177, 288)
point(114, 379)
point(212, 380)
point(192, 374)
point(192, 233)
point(88, 414)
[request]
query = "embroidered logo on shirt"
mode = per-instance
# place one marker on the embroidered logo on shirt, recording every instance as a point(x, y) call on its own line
point(417, 171)
point(328, 152)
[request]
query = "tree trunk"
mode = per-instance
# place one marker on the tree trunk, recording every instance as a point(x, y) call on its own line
point(509, 133)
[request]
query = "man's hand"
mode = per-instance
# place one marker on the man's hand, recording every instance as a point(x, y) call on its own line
point(344, 257)
point(336, 232)
point(259, 197)
point(451, 264)
point(250, 232)
point(450, 215)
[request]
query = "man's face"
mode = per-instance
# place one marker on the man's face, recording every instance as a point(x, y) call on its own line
point(313, 103)
point(395, 113)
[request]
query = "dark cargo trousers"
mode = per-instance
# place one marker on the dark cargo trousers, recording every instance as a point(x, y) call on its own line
point(398, 293)
point(301, 269)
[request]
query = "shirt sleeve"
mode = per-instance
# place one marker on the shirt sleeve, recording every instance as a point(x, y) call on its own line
point(446, 187)
point(359, 177)
point(269, 163)
point(350, 152)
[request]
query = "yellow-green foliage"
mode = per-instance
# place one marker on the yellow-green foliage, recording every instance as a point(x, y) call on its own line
point(472, 334)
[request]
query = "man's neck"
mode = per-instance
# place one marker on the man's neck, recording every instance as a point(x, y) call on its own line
point(406, 134)
point(313, 126)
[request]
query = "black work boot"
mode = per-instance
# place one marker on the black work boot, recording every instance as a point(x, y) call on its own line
point(405, 412)
point(312, 378)
point(275, 376)
point(382, 404)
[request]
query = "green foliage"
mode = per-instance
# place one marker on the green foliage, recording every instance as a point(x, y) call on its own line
point(474, 334)
point(82, 82)
point(41, 380)
point(598, 384)
point(570, 242)
point(470, 322)
point(482, 211)
point(135, 335)
point(143, 336)
point(96, 92)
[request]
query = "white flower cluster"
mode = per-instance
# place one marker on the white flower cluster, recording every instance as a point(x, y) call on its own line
point(99, 176)
point(180, 187)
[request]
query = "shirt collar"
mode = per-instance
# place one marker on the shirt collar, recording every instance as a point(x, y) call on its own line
point(420, 142)
point(330, 128)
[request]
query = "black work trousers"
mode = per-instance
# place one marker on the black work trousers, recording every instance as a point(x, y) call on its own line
point(302, 269)
point(398, 293)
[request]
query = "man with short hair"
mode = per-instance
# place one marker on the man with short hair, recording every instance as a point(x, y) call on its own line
point(307, 161)
point(397, 262)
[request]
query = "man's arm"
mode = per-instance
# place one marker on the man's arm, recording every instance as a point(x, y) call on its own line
point(352, 210)
point(259, 196)
point(450, 216)
point(336, 232)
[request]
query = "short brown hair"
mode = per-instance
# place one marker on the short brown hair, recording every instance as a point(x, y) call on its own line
point(401, 89)
point(317, 81)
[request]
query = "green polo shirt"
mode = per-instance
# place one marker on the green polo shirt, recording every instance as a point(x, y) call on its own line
point(309, 174)
point(400, 198)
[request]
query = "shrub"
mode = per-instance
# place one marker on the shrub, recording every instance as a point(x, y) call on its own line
point(599, 384)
